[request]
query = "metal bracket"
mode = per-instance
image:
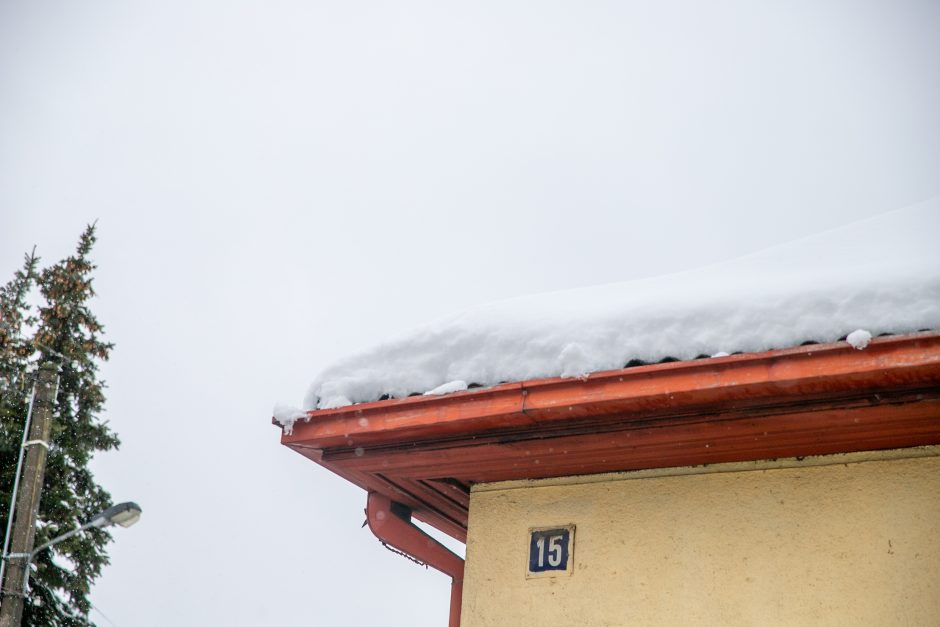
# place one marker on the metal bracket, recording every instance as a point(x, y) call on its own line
point(39, 442)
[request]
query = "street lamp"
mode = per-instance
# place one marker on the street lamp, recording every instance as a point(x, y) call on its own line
point(123, 514)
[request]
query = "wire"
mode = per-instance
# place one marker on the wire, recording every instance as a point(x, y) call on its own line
point(103, 615)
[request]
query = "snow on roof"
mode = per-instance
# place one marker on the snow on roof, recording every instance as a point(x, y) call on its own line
point(881, 274)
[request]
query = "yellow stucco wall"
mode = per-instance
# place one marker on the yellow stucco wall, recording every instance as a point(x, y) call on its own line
point(818, 543)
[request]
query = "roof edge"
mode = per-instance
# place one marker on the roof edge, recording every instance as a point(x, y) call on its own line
point(783, 375)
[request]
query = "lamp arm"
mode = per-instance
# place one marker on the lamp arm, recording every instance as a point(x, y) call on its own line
point(97, 522)
point(64, 536)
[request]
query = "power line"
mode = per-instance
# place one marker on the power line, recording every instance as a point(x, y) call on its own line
point(103, 615)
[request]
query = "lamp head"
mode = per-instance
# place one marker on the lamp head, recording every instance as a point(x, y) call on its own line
point(123, 514)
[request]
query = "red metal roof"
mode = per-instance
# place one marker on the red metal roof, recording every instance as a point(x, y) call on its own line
point(425, 452)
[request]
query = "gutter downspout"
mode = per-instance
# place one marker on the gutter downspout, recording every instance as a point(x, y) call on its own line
point(391, 523)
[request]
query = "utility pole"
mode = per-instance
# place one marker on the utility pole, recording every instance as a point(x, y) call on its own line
point(27, 503)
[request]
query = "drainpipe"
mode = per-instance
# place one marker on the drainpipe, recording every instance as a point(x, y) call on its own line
point(391, 523)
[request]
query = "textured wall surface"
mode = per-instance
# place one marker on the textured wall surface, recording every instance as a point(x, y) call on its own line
point(848, 544)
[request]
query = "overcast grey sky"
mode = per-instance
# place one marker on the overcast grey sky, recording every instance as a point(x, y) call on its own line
point(280, 183)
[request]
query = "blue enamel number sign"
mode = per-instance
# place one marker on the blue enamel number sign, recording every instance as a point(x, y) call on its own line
point(549, 549)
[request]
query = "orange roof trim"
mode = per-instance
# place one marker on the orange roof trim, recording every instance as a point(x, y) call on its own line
point(425, 452)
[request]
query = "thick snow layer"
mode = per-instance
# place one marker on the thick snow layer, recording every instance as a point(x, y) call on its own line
point(880, 274)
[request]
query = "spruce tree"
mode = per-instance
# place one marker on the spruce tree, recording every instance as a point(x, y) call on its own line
point(15, 350)
point(65, 331)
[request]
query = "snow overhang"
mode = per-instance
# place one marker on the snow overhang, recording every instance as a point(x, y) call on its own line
point(880, 275)
point(426, 451)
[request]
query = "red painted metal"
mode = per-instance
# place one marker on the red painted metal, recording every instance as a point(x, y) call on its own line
point(637, 443)
point(795, 375)
point(391, 523)
point(425, 452)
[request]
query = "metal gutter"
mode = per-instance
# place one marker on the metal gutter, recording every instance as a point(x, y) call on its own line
point(794, 376)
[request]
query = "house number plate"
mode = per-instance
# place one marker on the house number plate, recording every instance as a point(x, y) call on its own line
point(550, 550)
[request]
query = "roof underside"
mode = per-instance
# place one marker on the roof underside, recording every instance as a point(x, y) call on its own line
point(426, 452)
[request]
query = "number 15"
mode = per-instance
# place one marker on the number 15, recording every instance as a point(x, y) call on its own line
point(554, 550)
